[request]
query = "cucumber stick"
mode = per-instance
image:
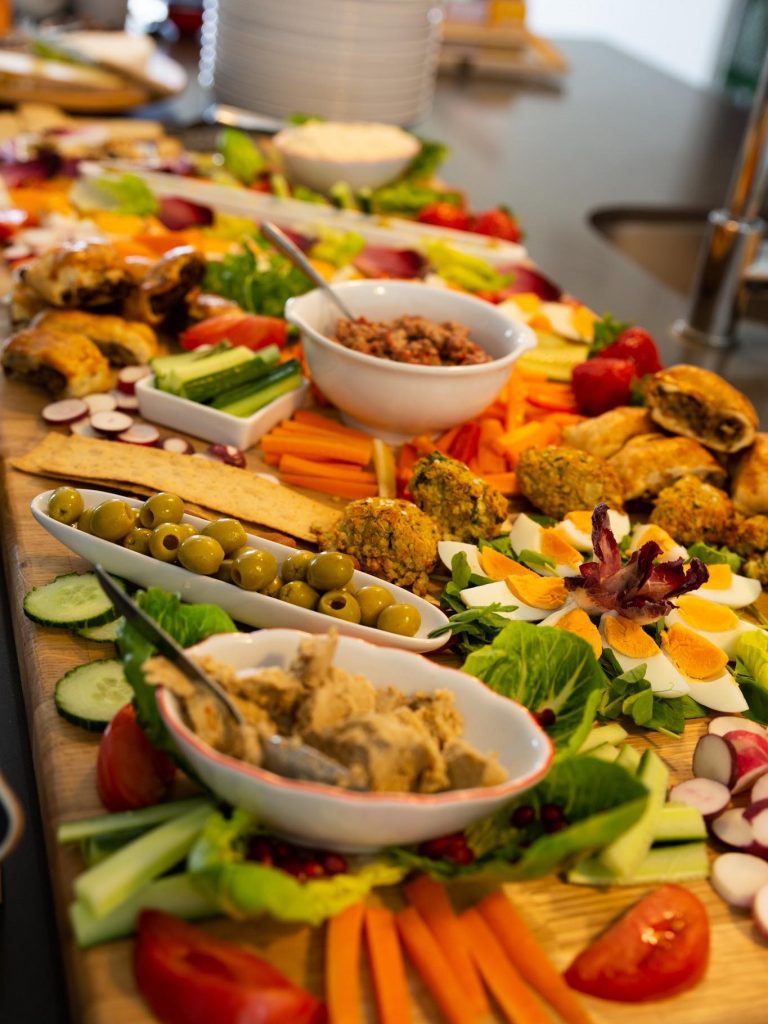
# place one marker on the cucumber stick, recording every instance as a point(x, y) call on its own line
point(603, 752)
point(113, 881)
point(74, 600)
point(249, 367)
point(250, 398)
point(629, 759)
point(624, 855)
point(91, 695)
point(678, 823)
point(612, 733)
point(683, 862)
point(126, 821)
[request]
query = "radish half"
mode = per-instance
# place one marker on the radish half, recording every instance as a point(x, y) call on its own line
point(724, 724)
point(751, 757)
point(757, 816)
point(759, 790)
point(715, 758)
point(738, 877)
point(732, 828)
point(706, 795)
point(760, 911)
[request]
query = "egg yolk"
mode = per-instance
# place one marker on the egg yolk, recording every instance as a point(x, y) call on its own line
point(529, 302)
point(582, 520)
point(553, 545)
point(654, 533)
point(692, 654)
point(497, 566)
point(626, 637)
point(699, 613)
point(538, 592)
point(720, 578)
point(579, 622)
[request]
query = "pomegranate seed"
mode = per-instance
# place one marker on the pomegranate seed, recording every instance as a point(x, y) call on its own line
point(555, 826)
point(282, 851)
point(546, 717)
point(463, 856)
point(551, 813)
point(334, 864)
point(260, 849)
point(523, 816)
point(313, 870)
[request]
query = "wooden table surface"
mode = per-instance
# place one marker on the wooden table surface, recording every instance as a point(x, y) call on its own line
point(564, 917)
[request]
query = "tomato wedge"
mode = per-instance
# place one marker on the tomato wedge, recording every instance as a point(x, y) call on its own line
point(190, 977)
point(130, 772)
point(659, 947)
point(239, 328)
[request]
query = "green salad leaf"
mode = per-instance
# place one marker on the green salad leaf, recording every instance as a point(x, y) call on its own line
point(242, 888)
point(710, 555)
point(535, 560)
point(464, 269)
point(256, 278)
point(630, 693)
point(599, 801)
point(407, 198)
point(427, 161)
point(544, 668)
point(752, 652)
point(337, 247)
point(304, 194)
point(242, 157)
point(128, 194)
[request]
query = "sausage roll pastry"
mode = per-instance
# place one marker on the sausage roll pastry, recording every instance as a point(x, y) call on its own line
point(749, 479)
point(604, 435)
point(165, 285)
point(68, 365)
point(123, 342)
point(700, 404)
point(649, 463)
point(79, 274)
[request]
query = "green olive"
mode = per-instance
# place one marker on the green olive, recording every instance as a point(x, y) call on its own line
point(202, 555)
point(112, 519)
point(187, 530)
point(138, 540)
point(241, 551)
point(224, 571)
point(400, 618)
point(161, 508)
point(273, 589)
point(340, 604)
point(84, 522)
point(66, 505)
point(228, 532)
point(295, 566)
point(330, 570)
point(373, 600)
point(165, 542)
point(299, 593)
point(254, 569)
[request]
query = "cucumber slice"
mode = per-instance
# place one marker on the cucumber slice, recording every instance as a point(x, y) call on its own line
point(91, 695)
point(557, 361)
point(624, 855)
point(105, 634)
point(682, 863)
point(612, 733)
point(74, 600)
point(678, 823)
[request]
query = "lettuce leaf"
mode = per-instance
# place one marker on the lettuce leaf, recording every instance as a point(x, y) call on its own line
point(242, 157)
point(541, 667)
point(466, 270)
point(710, 555)
point(128, 194)
point(337, 247)
point(243, 888)
point(257, 279)
point(752, 652)
point(427, 161)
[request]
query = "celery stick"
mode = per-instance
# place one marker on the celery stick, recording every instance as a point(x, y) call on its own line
point(678, 823)
point(125, 821)
point(629, 758)
point(610, 733)
point(603, 752)
point(176, 894)
point(116, 879)
point(625, 854)
point(683, 862)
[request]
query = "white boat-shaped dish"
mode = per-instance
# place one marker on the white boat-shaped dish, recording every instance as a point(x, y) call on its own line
point(341, 819)
point(244, 606)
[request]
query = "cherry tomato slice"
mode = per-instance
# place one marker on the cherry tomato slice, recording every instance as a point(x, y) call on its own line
point(659, 947)
point(130, 772)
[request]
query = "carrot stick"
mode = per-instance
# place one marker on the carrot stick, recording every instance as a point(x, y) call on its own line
point(339, 488)
point(504, 482)
point(526, 953)
point(342, 965)
point(308, 430)
point(488, 458)
point(387, 966)
point(517, 389)
point(335, 470)
point(444, 442)
point(518, 1002)
point(314, 419)
point(432, 902)
point(435, 971)
point(318, 448)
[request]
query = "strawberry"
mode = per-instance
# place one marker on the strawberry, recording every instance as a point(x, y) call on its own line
point(602, 383)
point(498, 223)
point(638, 346)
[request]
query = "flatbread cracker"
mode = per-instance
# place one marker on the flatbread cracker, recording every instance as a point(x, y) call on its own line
point(209, 484)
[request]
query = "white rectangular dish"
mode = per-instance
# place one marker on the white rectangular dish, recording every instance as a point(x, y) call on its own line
point(209, 424)
point(245, 606)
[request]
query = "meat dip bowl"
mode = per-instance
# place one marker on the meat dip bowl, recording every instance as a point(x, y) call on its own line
point(496, 733)
point(397, 400)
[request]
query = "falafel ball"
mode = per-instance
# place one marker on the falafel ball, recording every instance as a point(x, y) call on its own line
point(463, 506)
point(748, 535)
point(388, 537)
point(562, 480)
point(756, 567)
point(691, 510)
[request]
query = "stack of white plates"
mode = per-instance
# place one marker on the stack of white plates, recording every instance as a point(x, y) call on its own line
point(363, 60)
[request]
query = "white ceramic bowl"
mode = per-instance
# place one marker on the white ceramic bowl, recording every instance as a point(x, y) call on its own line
point(333, 818)
point(244, 606)
point(202, 421)
point(397, 401)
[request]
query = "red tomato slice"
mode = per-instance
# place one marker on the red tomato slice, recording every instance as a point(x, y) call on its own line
point(659, 947)
point(210, 331)
point(190, 977)
point(240, 328)
point(130, 773)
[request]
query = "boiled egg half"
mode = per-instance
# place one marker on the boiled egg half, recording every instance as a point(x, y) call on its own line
point(716, 623)
point(446, 549)
point(576, 528)
point(527, 535)
point(534, 596)
point(670, 549)
point(632, 646)
point(724, 586)
point(575, 620)
point(702, 664)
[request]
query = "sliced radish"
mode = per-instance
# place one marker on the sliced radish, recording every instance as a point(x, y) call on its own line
point(738, 877)
point(706, 795)
point(111, 422)
point(732, 828)
point(125, 403)
point(140, 433)
point(724, 724)
point(129, 377)
point(226, 453)
point(67, 411)
point(751, 757)
point(83, 428)
point(715, 758)
point(757, 816)
point(759, 790)
point(177, 444)
point(100, 403)
point(760, 911)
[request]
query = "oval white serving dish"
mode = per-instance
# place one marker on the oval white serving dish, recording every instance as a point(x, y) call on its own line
point(213, 425)
point(338, 819)
point(244, 606)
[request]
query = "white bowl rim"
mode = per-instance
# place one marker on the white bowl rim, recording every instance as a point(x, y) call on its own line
point(525, 336)
point(173, 722)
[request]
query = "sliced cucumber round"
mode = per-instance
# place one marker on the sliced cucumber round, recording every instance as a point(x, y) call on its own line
point(104, 634)
point(91, 695)
point(74, 600)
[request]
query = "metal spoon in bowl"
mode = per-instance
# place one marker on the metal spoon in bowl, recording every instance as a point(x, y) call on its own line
point(292, 252)
point(284, 757)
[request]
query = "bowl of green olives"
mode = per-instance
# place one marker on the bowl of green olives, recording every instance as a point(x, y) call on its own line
point(260, 583)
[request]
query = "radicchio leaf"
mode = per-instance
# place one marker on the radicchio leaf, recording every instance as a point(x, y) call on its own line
point(639, 589)
point(383, 261)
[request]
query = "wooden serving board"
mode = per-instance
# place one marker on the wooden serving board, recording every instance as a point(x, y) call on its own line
point(564, 917)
